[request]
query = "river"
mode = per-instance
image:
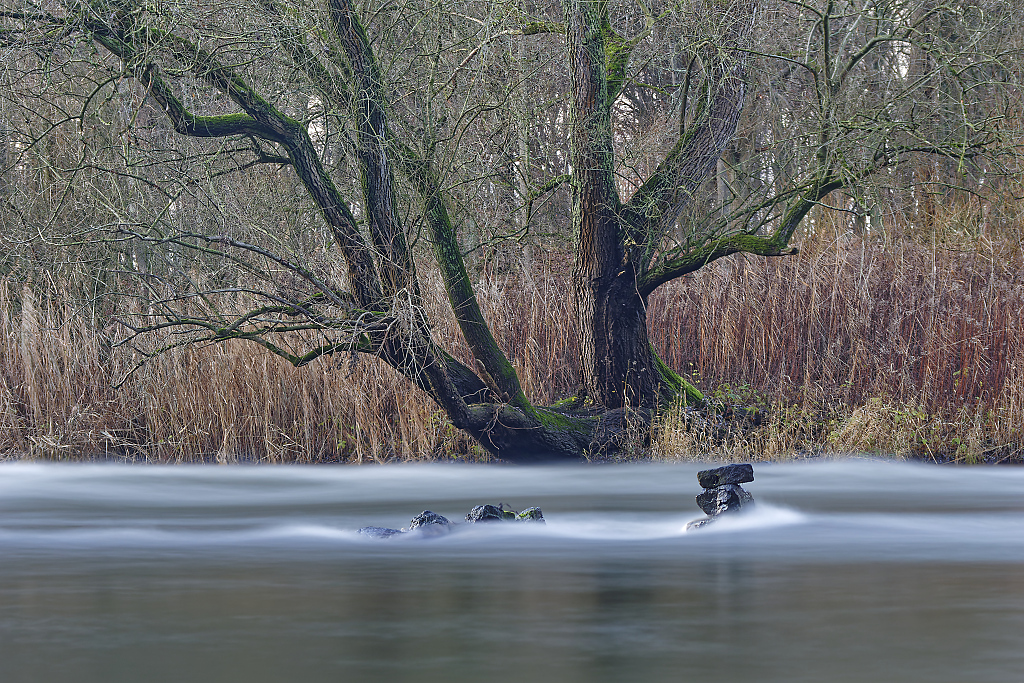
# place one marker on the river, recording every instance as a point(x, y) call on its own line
point(846, 571)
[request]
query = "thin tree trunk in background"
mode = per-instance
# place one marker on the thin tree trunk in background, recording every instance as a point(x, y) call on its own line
point(925, 177)
point(522, 162)
point(4, 159)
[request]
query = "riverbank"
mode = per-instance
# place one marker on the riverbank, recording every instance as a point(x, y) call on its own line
point(853, 346)
point(756, 431)
point(783, 433)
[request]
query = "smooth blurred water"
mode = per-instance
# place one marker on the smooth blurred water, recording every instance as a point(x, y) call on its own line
point(846, 571)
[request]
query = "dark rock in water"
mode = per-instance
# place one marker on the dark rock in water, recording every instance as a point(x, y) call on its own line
point(728, 498)
point(429, 523)
point(426, 523)
point(730, 474)
point(378, 532)
point(531, 515)
point(722, 492)
point(498, 513)
point(488, 513)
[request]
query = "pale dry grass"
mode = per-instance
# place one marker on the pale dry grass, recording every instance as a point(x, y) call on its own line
point(225, 403)
point(852, 346)
point(897, 348)
point(235, 402)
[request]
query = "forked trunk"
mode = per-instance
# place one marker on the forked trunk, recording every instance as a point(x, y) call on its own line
point(617, 366)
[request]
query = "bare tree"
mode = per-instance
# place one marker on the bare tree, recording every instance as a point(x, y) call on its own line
point(403, 125)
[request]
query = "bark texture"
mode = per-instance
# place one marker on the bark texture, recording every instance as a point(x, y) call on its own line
point(615, 239)
point(616, 361)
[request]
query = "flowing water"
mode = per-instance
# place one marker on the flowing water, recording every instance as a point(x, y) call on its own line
point(845, 571)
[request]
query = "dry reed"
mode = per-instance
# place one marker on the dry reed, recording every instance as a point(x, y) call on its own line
point(859, 345)
point(851, 346)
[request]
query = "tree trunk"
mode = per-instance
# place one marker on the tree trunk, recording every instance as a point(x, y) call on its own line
point(617, 365)
point(4, 192)
point(925, 176)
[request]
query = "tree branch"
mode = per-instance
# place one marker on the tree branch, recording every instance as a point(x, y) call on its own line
point(378, 183)
point(187, 123)
point(664, 195)
point(494, 367)
point(331, 86)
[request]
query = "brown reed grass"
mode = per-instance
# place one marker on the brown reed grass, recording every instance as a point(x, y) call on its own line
point(854, 345)
point(861, 345)
point(225, 403)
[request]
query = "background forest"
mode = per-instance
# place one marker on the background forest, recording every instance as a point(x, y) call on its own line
point(895, 327)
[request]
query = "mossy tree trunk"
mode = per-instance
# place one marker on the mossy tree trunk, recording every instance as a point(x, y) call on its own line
point(616, 240)
point(617, 364)
point(623, 380)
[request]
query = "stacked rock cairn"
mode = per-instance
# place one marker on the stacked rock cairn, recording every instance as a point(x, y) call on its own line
point(722, 492)
point(429, 524)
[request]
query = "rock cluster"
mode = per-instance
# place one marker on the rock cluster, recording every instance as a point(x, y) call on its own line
point(498, 513)
point(722, 492)
point(430, 524)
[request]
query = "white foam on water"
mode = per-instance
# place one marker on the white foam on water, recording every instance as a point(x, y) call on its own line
point(619, 527)
point(112, 537)
point(625, 527)
point(761, 516)
point(304, 531)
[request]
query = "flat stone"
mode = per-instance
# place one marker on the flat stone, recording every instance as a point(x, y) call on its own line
point(429, 523)
point(378, 532)
point(730, 474)
point(497, 513)
point(722, 499)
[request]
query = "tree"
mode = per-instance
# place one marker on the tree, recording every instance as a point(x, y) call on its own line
point(378, 114)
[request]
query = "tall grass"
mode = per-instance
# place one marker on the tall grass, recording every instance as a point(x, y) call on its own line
point(862, 345)
point(225, 403)
point(853, 345)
